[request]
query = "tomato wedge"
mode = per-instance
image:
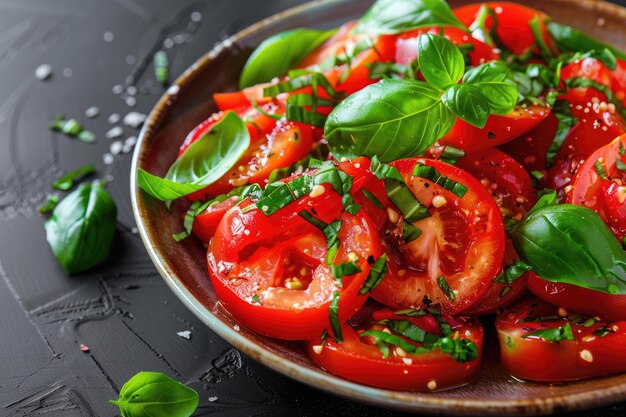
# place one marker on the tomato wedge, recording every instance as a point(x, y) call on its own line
point(541, 342)
point(420, 359)
point(270, 272)
point(205, 224)
point(461, 245)
point(498, 130)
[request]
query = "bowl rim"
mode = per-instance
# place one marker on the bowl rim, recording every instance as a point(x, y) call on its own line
point(407, 401)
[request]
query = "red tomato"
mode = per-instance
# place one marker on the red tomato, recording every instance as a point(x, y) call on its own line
point(463, 241)
point(533, 357)
point(406, 45)
point(595, 70)
point(605, 194)
point(598, 124)
point(270, 272)
point(498, 130)
point(242, 99)
point(610, 307)
point(512, 28)
point(510, 185)
point(359, 359)
point(205, 224)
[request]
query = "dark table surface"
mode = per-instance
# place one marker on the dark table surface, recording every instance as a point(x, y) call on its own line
point(123, 313)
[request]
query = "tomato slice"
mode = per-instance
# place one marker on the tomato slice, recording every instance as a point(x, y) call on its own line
point(406, 45)
point(510, 186)
point(359, 359)
point(205, 224)
point(513, 20)
point(498, 130)
point(270, 272)
point(462, 241)
point(596, 349)
point(595, 70)
point(600, 185)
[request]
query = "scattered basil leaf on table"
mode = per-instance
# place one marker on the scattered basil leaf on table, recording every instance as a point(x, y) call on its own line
point(51, 202)
point(72, 128)
point(496, 81)
point(161, 67)
point(467, 102)
point(203, 163)
point(66, 182)
point(569, 39)
point(81, 228)
point(153, 394)
point(441, 62)
point(276, 55)
point(395, 16)
point(572, 244)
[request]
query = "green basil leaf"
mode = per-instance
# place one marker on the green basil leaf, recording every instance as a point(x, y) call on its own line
point(51, 202)
point(203, 163)
point(66, 182)
point(81, 228)
point(393, 119)
point(161, 67)
point(276, 55)
point(153, 394)
point(572, 244)
point(547, 198)
point(445, 288)
point(497, 83)
point(467, 102)
point(553, 335)
point(395, 16)
point(440, 61)
point(333, 311)
point(566, 122)
point(377, 272)
point(569, 39)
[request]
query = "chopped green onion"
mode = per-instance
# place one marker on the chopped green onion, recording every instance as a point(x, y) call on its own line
point(445, 288)
point(51, 202)
point(600, 169)
point(377, 273)
point(553, 335)
point(371, 197)
point(66, 182)
point(410, 232)
point(161, 67)
point(335, 324)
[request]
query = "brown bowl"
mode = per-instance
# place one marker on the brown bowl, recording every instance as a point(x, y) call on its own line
point(183, 265)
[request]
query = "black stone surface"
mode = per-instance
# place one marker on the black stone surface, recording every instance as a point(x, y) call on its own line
point(122, 312)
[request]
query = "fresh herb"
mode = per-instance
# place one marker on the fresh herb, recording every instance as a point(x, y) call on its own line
point(410, 331)
point(380, 70)
point(195, 209)
point(395, 16)
point(537, 175)
point(66, 182)
point(410, 232)
point(603, 331)
point(622, 149)
point(383, 347)
point(255, 299)
point(377, 272)
point(566, 122)
point(478, 28)
point(621, 166)
point(537, 30)
point(512, 271)
point(431, 174)
point(335, 324)
point(384, 171)
point(497, 83)
point(571, 244)
point(280, 52)
point(467, 102)
point(51, 202)
point(535, 319)
point(545, 198)
point(331, 231)
point(569, 39)
point(344, 269)
point(72, 128)
point(445, 61)
point(451, 154)
point(204, 162)
point(81, 228)
point(313, 220)
point(600, 169)
point(553, 335)
point(349, 205)
point(403, 198)
point(371, 197)
point(161, 67)
point(150, 394)
point(445, 288)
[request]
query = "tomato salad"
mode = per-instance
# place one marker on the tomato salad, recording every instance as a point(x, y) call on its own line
point(374, 189)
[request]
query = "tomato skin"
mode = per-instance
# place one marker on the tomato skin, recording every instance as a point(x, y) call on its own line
point(469, 227)
point(498, 130)
point(363, 363)
point(595, 70)
point(513, 23)
point(605, 196)
point(536, 359)
point(610, 307)
point(205, 224)
point(250, 245)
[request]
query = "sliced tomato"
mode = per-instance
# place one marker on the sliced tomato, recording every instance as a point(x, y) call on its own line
point(595, 70)
point(598, 124)
point(243, 98)
point(205, 224)
point(499, 129)
point(594, 348)
point(359, 359)
point(406, 45)
point(511, 187)
point(270, 272)
point(600, 185)
point(512, 27)
point(462, 241)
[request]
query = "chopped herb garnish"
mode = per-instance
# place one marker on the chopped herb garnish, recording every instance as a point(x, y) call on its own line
point(335, 324)
point(443, 284)
point(537, 175)
point(376, 275)
point(451, 154)
point(621, 166)
point(553, 335)
point(332, 233)
point(66, 182)
point(72, 128)
point(384, 171)
point(194, 209)
point(431, 174)
point(313, 220)
point(410, 331)
point(371, 197)
point(403, 198)
point(383, 347)
point(512, 271)
point(603, 331)
point(410, 232)
point(255, 299)
point(349, 205)
point(600, 169)
point(535, 319)
point(51, 202)
point(344, 269)
point(566, 122)
point(622, 149)
point(161, 67)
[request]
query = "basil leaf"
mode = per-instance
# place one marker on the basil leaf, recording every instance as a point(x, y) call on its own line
point(395, 16)
point(440, 61)
point(51, 202)
point(512, 272)
point(81, 228)
point(497, 83)
point(161, 67)
point(203, 163)
point(276, 55)
point(66, 182)
point(566, 122)
point(548, 198)
point(393, 119)
point(377, 272)
point(445, 288)
point(467, 102)
point(572, 244)
point(553, 335)
point(333, 311)
point(572, 40)
point(153, 394)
